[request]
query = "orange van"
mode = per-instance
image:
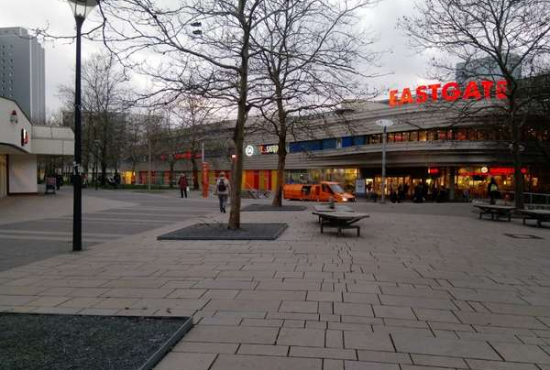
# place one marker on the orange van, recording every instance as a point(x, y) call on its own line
point(317, 192)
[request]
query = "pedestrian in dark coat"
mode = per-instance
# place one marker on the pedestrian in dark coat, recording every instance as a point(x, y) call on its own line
point(183, 184)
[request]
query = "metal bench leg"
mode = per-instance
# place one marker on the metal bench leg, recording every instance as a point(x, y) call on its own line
point(480, 215)
point(358, 231)
point(321, 227)
point(524, 220)
point(539, 223)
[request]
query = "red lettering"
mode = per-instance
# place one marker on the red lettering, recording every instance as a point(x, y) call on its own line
point(472, 91)
point(434, 89)
point(421, 96)
point(454, 94)
point(406, 97)
point(487, 86)
point(502, 89)
point(393, 98)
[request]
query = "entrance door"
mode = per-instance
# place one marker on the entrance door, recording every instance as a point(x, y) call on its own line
point(3, 176)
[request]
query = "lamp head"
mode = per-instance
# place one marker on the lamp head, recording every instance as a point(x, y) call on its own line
point(81, 8)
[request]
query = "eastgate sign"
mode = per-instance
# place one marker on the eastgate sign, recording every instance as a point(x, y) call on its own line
point(450, 92)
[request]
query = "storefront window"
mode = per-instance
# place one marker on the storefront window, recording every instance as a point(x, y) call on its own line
point(442, 134)
point(422, 136)
point(391, 138)
point(413, 135)
point(376, 139)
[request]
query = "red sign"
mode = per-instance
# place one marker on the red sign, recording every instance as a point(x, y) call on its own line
point(492, 171)
point(433, 171)
point(451, 92)
point(186, 155)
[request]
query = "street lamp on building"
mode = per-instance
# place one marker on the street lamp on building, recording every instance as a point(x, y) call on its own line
point(80, 9)
point(385, 123)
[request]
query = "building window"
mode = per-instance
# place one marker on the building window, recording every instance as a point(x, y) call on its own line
point(422, 136)
point(359, 140)
point(347, 141)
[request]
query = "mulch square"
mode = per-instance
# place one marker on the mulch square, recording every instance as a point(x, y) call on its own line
point(86, 342)
point(218, 231)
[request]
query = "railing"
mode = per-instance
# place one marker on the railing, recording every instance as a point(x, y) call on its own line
point(531, 200)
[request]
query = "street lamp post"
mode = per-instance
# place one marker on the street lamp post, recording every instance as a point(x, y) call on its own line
point(80, 9)
point(385, 123)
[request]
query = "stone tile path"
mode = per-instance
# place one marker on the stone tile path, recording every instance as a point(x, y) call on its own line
point(415, 292)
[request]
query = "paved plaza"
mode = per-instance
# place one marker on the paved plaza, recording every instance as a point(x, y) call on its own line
point(425, 287)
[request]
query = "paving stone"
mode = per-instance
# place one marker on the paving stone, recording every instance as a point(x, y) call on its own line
point(394, 312)
point(329, 364)
point(188, 293)
point(427, 314)
point(258, 349)
point(241, 362)
point(417, 302)
point(489, 337)
point(361, 298)
point(510, 321)
point(333, 353)
point(316, 325)
point(260, 322)
point(406, 323)
point(301, 337)
point(221, 320)
point(334, 339)
point(439, 361)
point(299, 306)
point(359, 365)
point(414, 367)
point(272, 295)
point(498, 365)
point(242, 305)
point(229, 334)
point(443, 347)
point(369, 341)
point(324, 296)
point(387, 357)
point(353, 309)
point(521, 353)
point(226, 348)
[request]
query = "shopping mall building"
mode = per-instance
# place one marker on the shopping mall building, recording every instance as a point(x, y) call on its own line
point(21, 143)
point(425, 144)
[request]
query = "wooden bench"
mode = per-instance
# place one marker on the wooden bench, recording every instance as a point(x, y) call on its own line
point(341, 220)
point(536, 214)
point(495, 211)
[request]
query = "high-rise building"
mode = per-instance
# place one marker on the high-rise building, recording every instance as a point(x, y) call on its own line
point(22, 71)
point(486, 69)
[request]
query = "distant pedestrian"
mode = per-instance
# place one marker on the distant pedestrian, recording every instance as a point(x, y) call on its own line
point(493, 191)
point(223, 189)
point(58, 180)
point(183, 184)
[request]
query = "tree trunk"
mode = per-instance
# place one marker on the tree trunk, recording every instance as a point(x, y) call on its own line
point(103, 173)
point(278, 198)
point(236, 178)
point(172, 163)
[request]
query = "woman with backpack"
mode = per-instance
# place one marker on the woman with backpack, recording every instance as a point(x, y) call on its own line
point(222, 191)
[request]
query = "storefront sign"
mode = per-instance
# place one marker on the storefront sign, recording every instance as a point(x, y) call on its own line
point(13, 117)
point(24, 137)
point(249, 150)
point(433, 171)
point(490, 171)
point(269, 149)
point(450, 92)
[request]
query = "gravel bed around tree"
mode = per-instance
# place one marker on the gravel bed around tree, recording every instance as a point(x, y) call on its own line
point(85, 342)
point(219, 231)
point(270, 208)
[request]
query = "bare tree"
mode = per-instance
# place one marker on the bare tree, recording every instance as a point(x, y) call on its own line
point(104, 109)
point(493, 38)
point(307, 57)
point(213, 61)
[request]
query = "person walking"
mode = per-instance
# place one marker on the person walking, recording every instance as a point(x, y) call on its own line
point(183, 185)
point(492, 189)
point(222, 191)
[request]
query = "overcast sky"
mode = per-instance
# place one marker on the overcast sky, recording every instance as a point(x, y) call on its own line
point(403, 66)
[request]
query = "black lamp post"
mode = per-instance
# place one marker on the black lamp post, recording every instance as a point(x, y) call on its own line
point(80, 9)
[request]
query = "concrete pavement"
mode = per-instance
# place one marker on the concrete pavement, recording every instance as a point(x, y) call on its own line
point(36, 227)
point(415, 292)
